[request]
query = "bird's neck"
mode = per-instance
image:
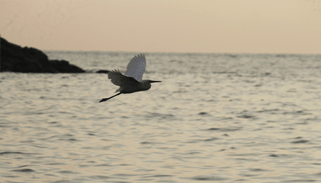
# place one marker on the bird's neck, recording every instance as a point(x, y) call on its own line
point(146, 84)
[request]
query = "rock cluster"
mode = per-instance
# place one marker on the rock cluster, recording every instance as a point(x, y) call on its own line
point(14, 58)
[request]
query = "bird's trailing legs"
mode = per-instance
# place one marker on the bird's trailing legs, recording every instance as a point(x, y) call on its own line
point(104, 99)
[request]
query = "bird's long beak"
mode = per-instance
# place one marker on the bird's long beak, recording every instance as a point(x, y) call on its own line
point(154, 81)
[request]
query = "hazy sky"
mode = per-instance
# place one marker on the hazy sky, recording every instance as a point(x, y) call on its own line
point(218, 26)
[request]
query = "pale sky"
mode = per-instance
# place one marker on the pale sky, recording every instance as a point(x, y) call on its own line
point(205, 26)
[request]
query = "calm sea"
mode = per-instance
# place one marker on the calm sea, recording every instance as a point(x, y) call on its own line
point(214, 117)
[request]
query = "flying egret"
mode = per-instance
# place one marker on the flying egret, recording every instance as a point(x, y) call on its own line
point(132, 80)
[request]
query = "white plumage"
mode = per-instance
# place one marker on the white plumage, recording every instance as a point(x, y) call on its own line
point(136, 67)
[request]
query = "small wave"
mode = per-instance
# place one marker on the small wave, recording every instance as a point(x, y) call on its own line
point(160, 175)
point(246, 116)
point(300, 112)
point(268, 110)
point(56, 164)
point(160, 116)
point(203, 140)
point(203, 113)
point(67, 172)
point(225, 129)
point(301, 180)
point(24, 170)
point(100, 177)
point(300, 141)
point(257, 170)
point(279, 155)
point(4, 153)
point(208, 178)
point(211, 139)
point(103, 164)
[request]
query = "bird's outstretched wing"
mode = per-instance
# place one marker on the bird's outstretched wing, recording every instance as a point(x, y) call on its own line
point(117, 78)
point(136, 67)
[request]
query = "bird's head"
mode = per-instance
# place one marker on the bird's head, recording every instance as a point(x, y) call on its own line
point(146, 84)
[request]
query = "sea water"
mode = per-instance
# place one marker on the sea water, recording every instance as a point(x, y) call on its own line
point(214, 117)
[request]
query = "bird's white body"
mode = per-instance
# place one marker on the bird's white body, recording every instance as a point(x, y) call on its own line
point(132, 80)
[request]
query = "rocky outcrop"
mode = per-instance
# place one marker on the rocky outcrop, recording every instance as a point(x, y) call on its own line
point(14, 58)
point(102, 71)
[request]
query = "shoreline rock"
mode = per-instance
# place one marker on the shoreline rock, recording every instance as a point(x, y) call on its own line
point(14, 58)
point(102, 71)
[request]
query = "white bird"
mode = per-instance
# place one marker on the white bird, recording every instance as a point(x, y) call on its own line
point(132, 80)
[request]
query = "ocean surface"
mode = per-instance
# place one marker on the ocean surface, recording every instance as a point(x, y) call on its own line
point(213, 118)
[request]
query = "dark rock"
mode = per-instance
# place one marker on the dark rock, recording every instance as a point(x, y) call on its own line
point(63, 66)
point(14, 58)
point(102, 71)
